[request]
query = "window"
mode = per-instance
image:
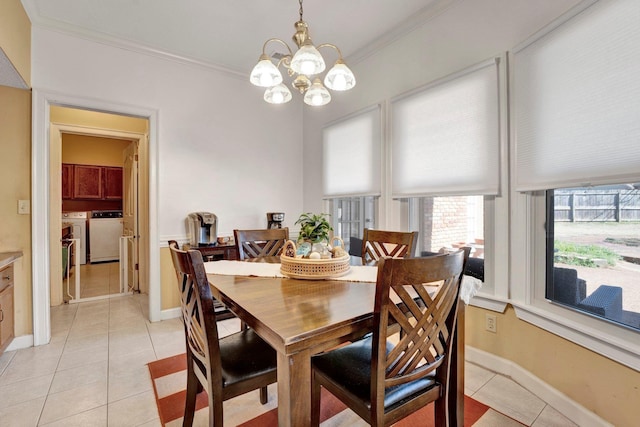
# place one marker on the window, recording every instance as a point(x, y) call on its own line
point(574, 129)
point(449, 222)
point(350, 216)
point(593, 251)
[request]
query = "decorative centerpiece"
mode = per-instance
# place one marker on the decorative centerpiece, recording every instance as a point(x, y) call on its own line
point(315, 257)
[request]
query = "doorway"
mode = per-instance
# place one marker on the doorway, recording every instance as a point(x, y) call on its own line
point(110, 156)
point(46, 211)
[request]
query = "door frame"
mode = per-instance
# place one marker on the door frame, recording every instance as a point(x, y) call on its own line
point(40, 201)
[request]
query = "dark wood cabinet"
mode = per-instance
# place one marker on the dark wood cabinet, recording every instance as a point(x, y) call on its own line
point(67, 181)
point(216, 253)
point(112, 183)
point(91, 182)
point(87, 182)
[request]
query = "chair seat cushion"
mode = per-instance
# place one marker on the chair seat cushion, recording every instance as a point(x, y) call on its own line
point(350, 366)
point(245, 355)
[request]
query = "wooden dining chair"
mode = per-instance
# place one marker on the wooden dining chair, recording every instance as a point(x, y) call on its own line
point(395, 244)
point(260, 243)
point(382, 381)
point(224, 367)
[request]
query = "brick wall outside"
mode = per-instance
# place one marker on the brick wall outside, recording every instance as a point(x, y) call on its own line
point(445, 222)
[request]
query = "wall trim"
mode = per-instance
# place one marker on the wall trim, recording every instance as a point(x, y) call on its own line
point(23, 341)
point(555, 398)
point(171, 313)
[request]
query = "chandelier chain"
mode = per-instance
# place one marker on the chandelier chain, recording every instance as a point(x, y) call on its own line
point(300, 11)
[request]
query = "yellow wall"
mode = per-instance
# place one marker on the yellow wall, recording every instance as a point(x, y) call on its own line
point(91, 150)
point(15, 37)
point(15, 184)
point(168, 282)
point(606, 388)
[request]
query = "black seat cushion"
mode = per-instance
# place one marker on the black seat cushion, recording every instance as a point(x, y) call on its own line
point(351, 366)
point(245, 355)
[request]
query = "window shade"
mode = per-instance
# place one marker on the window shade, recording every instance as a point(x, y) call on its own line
point(577, 100)
point(351, 156)
point(446, 137)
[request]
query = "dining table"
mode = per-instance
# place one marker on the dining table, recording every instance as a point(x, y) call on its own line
point(300, 318)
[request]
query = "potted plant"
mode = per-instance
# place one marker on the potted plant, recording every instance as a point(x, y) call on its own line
point(314, 228)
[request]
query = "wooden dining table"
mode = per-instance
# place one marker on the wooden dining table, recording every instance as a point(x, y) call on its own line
point(301, 318)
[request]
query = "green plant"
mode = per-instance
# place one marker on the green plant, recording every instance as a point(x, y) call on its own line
point(314, 227)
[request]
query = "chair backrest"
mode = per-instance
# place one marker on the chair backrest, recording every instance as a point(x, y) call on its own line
point(260, 243)
point(198, 313)
point(421, 296)
point(395, 244)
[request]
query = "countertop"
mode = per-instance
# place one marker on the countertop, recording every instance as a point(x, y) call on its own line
point(7, 258)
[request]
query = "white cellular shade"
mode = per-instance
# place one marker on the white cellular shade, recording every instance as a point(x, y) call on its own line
point(351, 156)
point(446, 138)
point(577, 100)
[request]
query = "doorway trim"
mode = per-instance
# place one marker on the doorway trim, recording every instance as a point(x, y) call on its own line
point(40, 177)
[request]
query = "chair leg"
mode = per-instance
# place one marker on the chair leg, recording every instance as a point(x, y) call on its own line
point(264, 396)
point(192, 390)
point(441, 416)
point(315, 401)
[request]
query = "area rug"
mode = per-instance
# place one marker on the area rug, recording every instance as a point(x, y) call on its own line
point(171, 405)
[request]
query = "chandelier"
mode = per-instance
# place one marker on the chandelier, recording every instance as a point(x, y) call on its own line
point(302, 67)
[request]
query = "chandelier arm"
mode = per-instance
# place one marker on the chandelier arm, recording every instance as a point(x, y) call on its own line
point(333, 46)
point(264, 46)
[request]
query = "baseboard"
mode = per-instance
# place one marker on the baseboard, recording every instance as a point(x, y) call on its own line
point(23, 341)
point(171, 313)
point(558, 400)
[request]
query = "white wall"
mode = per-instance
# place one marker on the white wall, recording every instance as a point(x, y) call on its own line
point(221, 148)
point(465, 34)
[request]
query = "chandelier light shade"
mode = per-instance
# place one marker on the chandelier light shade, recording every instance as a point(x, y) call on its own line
point(302, 66)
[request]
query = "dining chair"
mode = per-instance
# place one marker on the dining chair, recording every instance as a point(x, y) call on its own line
point(384, 381)
point(395, 244)
point(260, 243)
point(224, 367)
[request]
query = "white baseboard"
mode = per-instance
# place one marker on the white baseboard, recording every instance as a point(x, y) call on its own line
point(556, 399)
point(171, 313)
point(23, 341)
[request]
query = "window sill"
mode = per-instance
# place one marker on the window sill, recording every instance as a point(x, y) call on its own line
point(488, 302)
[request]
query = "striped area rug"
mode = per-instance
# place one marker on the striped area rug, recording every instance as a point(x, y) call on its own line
point(170, 398)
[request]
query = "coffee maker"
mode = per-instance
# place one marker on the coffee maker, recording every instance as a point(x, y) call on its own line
point(275, 219)
point(203, 228)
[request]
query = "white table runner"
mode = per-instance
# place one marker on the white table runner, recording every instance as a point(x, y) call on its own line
point(357, 273)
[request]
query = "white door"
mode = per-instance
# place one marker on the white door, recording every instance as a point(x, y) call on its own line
point(130, 215)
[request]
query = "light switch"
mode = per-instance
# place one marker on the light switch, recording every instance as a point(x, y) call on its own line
point(24, 207)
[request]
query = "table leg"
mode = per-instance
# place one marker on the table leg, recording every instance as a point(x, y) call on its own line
point(294, 389)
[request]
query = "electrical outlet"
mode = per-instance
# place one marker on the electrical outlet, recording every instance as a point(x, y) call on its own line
point(24, 207)
point(491, 323)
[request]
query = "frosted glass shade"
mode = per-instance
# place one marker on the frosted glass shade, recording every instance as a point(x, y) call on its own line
point(340, 77)
point(265, 74)
point(317, 94)
point(279, 94)
point(308, 61)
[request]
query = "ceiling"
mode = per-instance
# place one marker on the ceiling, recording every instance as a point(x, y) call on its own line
point(229, 34)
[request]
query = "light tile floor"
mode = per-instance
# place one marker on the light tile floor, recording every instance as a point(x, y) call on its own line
point(96, 280)
point(94, 373)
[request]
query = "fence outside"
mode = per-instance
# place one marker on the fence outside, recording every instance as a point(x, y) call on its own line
point(597, 205)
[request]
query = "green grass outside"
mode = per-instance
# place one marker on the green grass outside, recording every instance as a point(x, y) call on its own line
point(583, 255)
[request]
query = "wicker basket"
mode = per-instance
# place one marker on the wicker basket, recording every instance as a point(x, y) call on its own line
point(311, 269)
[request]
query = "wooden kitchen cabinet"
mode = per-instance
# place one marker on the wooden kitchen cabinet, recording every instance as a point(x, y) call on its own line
point(6, 306)
point(112, 183)
point(67, 181)
point(91, 182)
point(87, 182)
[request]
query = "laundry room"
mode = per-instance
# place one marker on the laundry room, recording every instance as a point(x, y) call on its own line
point(92, 200)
